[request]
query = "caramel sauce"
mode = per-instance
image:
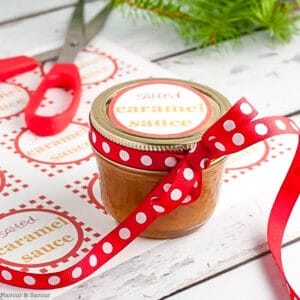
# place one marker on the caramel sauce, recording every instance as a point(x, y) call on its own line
point(123, 188)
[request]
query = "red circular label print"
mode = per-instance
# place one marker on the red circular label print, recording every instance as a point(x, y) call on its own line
point(2, 180)
point(94, 193)
point(12, 100)
point(160, 108)
point(36, 238)
point(71, 145)
point(249, 157)
point(95, 67)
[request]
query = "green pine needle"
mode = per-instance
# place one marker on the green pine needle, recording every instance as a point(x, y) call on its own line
point(210, 22)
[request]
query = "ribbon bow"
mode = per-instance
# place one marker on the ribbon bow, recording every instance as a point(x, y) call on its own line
point(235, 131)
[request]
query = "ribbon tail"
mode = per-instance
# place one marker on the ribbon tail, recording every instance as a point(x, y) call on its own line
point(174, 189)
point(281, 211)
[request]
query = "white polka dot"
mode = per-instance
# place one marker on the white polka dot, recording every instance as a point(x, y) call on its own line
point(170, 161)
point(204, 163)
point(196, 184)
point(6, 275)
point(229, 125)
point(280, 124)
point(146, 160)
point(176, 194)
point(54, 280)
point(246, 108)
point(238, 139)
point(124, 155)
point(294, 125)
point(187, 199)
point(107, 247)
point(166, 186)
point(76, 272)
point(93, 260)
point(105, 147)
point(212, 137)
point(188, 174)
point(261, 129)
point(220, 146)
point(94, 137)
point(141, 218)
point(124, 233)
point(29, 280)
point(158, 208)
point(154, 198)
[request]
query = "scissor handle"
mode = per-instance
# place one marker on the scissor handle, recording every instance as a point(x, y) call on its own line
point(64, 75)
point(12, 66)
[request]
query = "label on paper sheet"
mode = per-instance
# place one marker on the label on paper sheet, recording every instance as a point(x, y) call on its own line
point(12, 99)
point(34, 238)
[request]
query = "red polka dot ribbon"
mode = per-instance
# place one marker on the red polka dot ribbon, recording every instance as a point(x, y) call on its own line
point(235, 131)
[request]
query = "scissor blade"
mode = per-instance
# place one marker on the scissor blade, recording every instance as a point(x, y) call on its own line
point(93, 27)
point(47, 55)
point(74, 40)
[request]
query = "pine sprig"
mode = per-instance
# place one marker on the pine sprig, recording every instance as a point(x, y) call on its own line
point(156, 11)
point(276, 17)
point(209, 22)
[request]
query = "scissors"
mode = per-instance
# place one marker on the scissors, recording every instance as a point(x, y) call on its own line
point(63, 74)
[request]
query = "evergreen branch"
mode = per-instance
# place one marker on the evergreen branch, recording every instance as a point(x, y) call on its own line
point(275, 17)
point(210, 22)
point(156, 9)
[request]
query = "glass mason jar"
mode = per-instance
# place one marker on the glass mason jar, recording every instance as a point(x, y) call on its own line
point(143, 126)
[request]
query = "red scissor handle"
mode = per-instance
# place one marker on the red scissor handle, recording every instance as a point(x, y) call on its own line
point(12, 66)
point(61, 75)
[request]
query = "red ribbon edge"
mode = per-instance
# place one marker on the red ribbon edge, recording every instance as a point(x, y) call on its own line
point(145, 213)
point(281, 211)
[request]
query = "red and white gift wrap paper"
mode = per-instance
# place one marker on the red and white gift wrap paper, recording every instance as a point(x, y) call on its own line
point(235, 131)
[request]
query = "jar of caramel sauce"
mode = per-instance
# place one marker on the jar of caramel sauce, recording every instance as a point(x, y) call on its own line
point(143, 126)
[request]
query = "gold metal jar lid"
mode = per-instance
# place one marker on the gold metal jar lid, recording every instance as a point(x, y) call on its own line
point(107, 117)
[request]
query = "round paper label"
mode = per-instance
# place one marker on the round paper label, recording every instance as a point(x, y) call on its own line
point(35, 238)
point(248, 157)
point(66, 147)
point(160, 109)
point(12, 99)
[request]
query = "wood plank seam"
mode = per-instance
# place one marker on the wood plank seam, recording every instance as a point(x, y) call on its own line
point(36, 14)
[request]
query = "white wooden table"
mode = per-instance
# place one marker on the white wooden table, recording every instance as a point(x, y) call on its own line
point(223, 261)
